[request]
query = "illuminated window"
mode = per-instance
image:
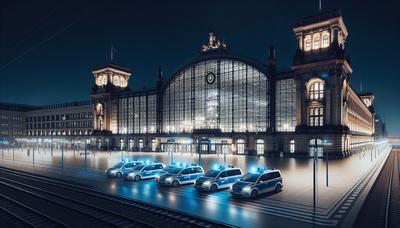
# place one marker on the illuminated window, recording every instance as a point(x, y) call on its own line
point(316, 148)
point(260, 146)
point(316, 91)
point(316, 116)
point(292, 146)
point(240, 146)
point(325, 41)
point(308, 45)
point(316, 42)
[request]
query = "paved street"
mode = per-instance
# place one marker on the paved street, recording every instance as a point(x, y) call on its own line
point(291, 206)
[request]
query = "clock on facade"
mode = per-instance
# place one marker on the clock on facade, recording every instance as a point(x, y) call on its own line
point(210, 78)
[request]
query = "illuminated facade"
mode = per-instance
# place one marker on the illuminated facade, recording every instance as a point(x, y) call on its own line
point(221, 102)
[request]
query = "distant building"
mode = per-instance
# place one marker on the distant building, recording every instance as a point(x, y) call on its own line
point(222, 102)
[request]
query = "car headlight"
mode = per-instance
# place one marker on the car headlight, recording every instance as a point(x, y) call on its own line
point(247, 188)
point(131, 174)
point(207, 183)
point(113, 171)
point(168, 179)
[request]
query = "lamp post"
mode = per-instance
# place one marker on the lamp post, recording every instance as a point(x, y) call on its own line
point(62, 156)
point(87, 142)
point(325, 142)
point(33, 153)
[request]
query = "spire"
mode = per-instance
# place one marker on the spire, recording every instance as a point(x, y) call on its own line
point(160, 78)
point(320, 5)
point(112, 53)
point(271, 63)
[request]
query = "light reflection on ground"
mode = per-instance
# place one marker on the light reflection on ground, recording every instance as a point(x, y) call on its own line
point(297, 175)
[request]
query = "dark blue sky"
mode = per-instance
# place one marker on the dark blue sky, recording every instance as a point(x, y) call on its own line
point(48, 48)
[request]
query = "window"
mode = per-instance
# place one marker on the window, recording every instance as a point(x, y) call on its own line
point(223, 174)
point(265, 177)
point(260, 146)
point(316, 42)
point(185, 172)
point(308, 45)
point(316, 91)
point(316, 116)
point(140, 144)
point(285, 105)
point(153, 145)
point(325, 41)
point(240, 146)
point(234, 172)
point(292, 146)
point(316, 148)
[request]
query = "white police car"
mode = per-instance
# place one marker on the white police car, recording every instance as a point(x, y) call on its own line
point(181, 175)
point(144, 171)
point(257, 182)
point(121, 167)
point(166, 170)
point(218, 178)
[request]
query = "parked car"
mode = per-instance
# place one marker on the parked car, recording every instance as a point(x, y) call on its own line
point(218, 178)
point(254, 183)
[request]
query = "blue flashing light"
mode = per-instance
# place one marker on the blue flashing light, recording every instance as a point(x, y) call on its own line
point(126, 160)
point(258, 169)
point(147, 162)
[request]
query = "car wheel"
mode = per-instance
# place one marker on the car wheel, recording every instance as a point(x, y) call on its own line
point(137, 178)
point(253, 194)
point(119, 175)
point(175, 183)
point(213, 188)
point(278, 188)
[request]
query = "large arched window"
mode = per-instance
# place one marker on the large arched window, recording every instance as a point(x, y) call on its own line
point(221, 94)
point(316, 90)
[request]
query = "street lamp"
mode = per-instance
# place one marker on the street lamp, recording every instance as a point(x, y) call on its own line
point(87, 142)
point(325, 143)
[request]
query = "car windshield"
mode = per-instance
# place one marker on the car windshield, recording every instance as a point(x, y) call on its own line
point(212, 173)
point(250, 177)
point(118, 165)
point(175, 170)
point(138, 167)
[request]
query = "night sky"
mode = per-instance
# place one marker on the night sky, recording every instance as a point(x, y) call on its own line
point(48, 48)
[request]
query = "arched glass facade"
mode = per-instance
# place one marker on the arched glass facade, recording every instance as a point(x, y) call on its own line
point(218, 94)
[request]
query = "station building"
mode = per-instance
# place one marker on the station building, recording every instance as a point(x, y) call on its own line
point(223, 102)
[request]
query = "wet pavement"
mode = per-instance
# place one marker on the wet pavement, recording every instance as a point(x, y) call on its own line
point(291, 207)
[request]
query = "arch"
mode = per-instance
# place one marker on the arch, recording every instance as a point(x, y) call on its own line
point(193, 101)
point(315, 89)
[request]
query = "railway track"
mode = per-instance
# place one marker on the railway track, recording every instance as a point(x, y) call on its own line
point(381, 208)
point(37, 201)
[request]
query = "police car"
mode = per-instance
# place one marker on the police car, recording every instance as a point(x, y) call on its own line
point(217, 178)
point(121, 167)
point(181, 175)
point(166, 170)
point(257, 182)
point(144, 171)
